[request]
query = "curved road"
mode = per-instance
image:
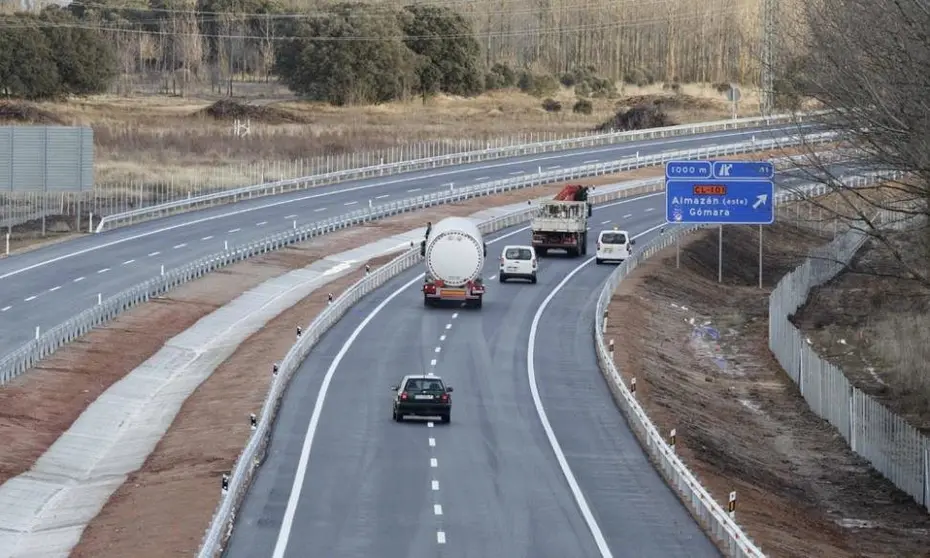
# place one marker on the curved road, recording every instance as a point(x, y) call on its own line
point(342, 479)
point(46, 286)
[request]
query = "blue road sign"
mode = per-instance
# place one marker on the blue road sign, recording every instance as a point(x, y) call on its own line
point(732, 170)
point(688, 169)
point(723, 202)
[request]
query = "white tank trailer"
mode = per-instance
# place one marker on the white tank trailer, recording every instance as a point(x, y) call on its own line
point(454, 252)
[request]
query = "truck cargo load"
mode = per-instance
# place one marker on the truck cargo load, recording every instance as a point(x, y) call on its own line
point(563, 223)
point(454, 252)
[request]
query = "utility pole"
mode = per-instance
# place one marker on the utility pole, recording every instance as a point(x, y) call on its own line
point(767, 95)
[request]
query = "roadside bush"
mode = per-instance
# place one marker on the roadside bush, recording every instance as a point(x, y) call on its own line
point(500, 76)
point(639, 77)
point(551, 105)
point(583, 106)
point(675, 87)
point(637, 118)
point(537, 85)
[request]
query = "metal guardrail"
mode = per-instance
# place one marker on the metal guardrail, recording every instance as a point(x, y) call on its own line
point(29, 354)
point(714, 518)
point(293, 184)
point(224, 517)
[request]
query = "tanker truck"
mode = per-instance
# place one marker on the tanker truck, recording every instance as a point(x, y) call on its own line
point(454, 251)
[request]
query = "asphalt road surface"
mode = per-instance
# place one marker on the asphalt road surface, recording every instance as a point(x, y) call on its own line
point(342, 479)
point(46, 286)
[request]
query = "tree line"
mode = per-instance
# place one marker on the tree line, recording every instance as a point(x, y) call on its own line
point(219, 42)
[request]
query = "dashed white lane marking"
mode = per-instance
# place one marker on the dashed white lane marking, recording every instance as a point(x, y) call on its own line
point(181, 245)
point(207, 237)
point(441, 537)
point(294, 216)
point(127, 262)
point(153, 254)
point(104, 270)
point(480, 178)
point(5, 308)
point(434, 485)
point(628, 215)
point(432, 362)
point(605, 222)
point(33, 297)
point(516, 172)
point(53, 289)
point(79, 279)
point(455, 315)
point(554, 167)
point(438, 349)
point(382, 196)
point(589, 161)
point(432, 442)
point(442, 337)
point(350, 203)
point(433, 462)
point(493, 277)
point(234, 230)
point(414, 189)
point(319, 209)
point(429, 424)
point(648, 209)
point(261, 224)
point(437, 509)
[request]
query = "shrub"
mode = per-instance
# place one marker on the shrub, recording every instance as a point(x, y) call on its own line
point(538, 85)
point(583, 106)
point(551, 105)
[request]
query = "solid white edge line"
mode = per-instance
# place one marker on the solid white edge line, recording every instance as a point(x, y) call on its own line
point(288, 521)
point(544, 418)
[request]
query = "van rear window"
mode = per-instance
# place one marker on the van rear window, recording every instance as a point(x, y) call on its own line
point(518, 254)
point(614, 238)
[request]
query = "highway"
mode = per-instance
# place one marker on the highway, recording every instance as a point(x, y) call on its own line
point(537, 461)
point(46, 286)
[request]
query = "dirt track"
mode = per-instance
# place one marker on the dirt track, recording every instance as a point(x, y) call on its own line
point(741, 422)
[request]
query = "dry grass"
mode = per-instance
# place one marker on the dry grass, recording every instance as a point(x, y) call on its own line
point(169, 140)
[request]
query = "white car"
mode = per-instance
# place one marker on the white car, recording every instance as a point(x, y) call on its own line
point(518, 262)
point(615, 245)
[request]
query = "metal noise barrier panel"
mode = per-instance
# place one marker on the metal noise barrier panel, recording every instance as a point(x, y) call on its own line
point(224, 517)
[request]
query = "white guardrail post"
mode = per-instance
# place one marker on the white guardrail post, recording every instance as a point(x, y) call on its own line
point(712, 515)
point(282, 186)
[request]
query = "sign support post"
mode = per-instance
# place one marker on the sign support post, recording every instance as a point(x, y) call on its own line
point(760, 256)
point(720, 254)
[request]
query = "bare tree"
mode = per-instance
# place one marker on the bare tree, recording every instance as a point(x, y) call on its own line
point(868, 63)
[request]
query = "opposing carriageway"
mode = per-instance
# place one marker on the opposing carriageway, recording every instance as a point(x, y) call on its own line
point(48, 285)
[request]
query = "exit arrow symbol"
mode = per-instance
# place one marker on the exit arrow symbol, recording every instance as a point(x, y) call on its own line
point(760, 200)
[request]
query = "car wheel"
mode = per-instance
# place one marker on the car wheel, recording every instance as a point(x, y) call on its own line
point(502, 278)
point(533, 279)
point(446, 417)
point(397, 416)
point(598, 261)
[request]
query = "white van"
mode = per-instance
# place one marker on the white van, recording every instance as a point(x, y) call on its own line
point(615, 245)
point(518, 262)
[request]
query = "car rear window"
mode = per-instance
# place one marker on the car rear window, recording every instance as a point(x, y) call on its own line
point(614, 238)
point(518, 254)
point(424, 384)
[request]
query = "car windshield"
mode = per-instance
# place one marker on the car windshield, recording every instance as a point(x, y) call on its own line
point(614, 238)
point(424, 384)
point(518, 254)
